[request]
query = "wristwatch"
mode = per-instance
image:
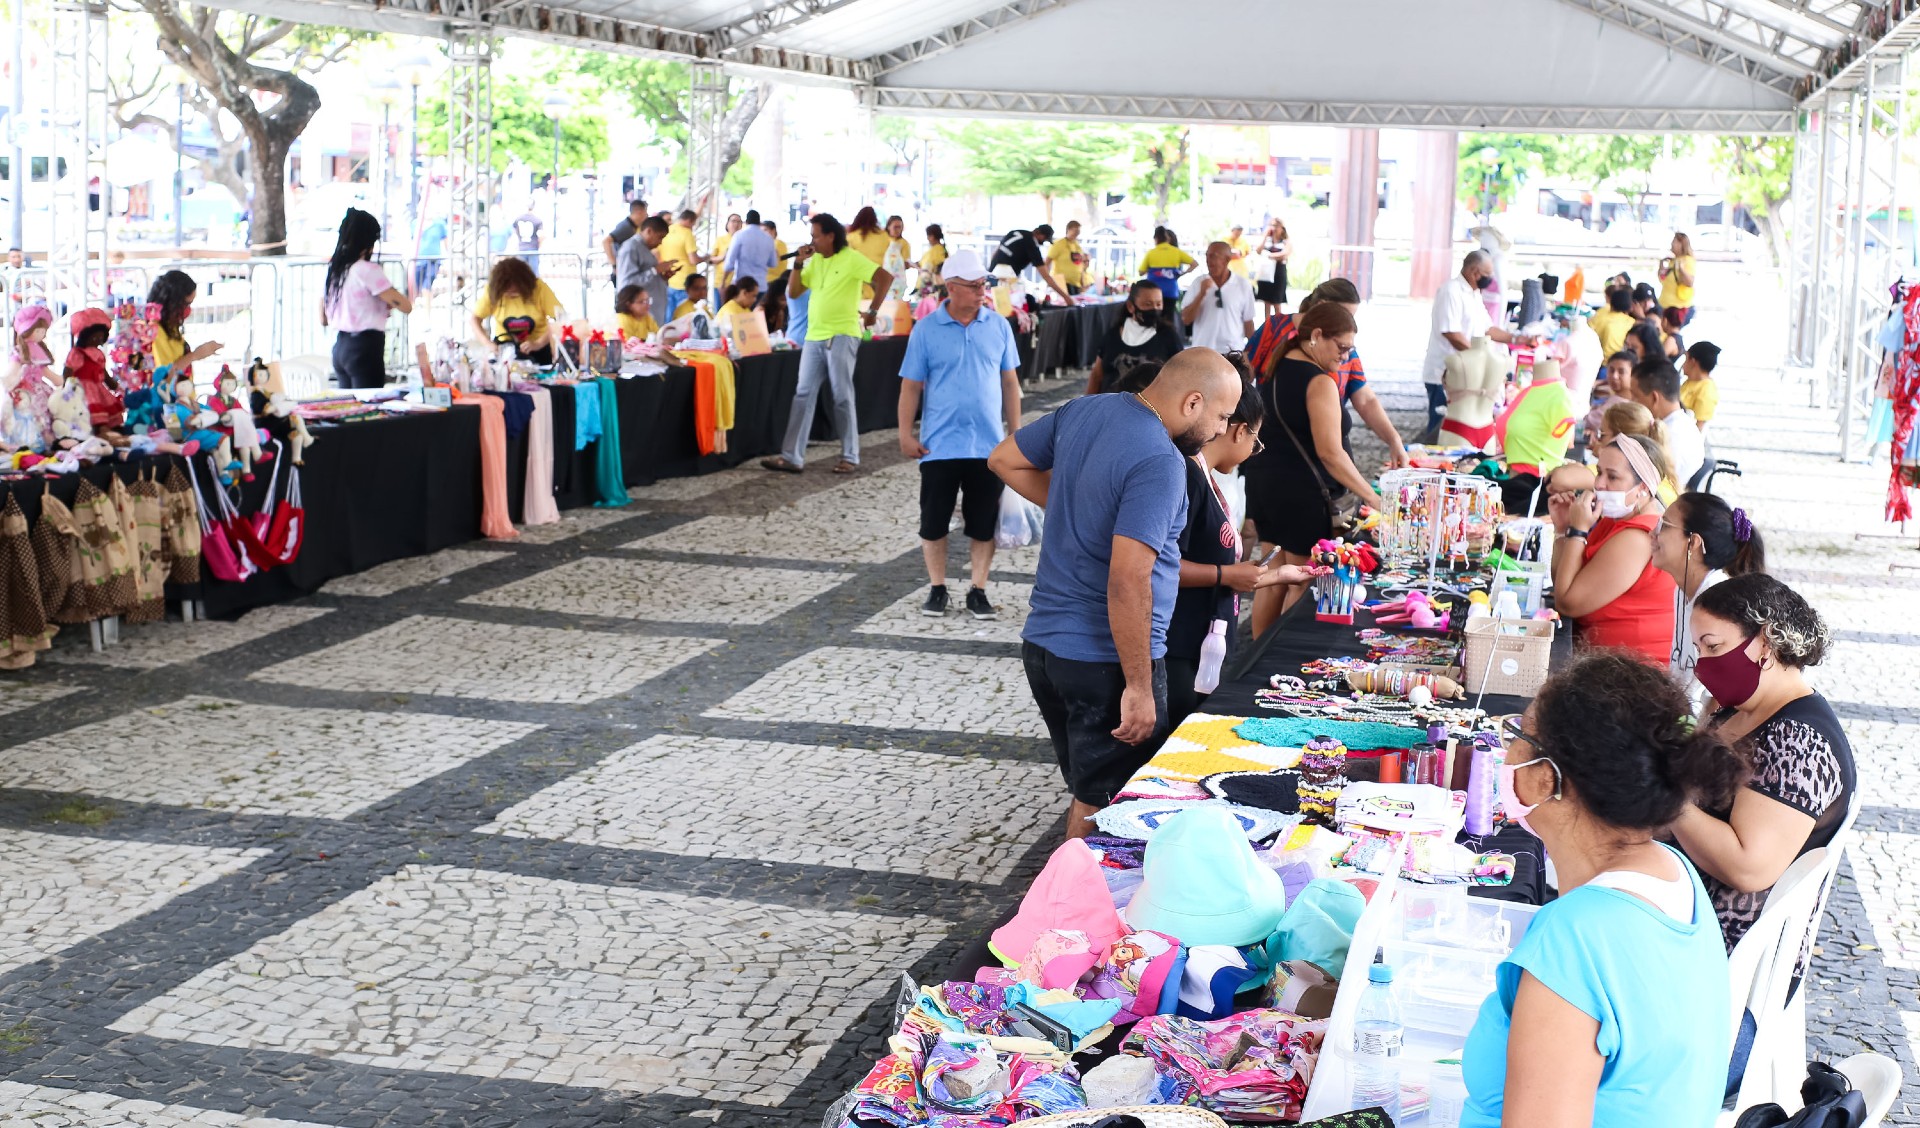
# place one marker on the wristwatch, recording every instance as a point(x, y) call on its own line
point(1572, 532)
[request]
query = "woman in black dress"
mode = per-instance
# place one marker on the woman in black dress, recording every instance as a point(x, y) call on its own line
point(1306, 457)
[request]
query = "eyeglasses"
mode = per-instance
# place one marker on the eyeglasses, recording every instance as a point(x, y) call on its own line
point(1258, 446)
point(1219, 300)
point(1511, 730)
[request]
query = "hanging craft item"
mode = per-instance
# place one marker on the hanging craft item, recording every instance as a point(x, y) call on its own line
point(1906, 405)
point(217, 538)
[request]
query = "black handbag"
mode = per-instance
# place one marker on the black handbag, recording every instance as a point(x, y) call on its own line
point(1343, 514)
point(1829, 1099)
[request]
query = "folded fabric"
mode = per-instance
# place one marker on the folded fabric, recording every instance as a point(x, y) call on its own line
point(964, 1074)
point(1253, 1066)
point(1318, 926)
point(1294, 732)
point(1203, 883)
point(1143, 818)
point(1059, 957)
point(1117, 853)
point(1134, 974)
point(1214, 974)
point(1148, 784)
point(1069, 895)
point(1088, 1020)
point(1269, 791)
point(1418, 808)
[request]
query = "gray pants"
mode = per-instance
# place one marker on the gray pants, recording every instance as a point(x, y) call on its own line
point(824, 362)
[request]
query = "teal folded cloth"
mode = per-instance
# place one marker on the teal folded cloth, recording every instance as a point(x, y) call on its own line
point(1294, 732)
point(609, 476)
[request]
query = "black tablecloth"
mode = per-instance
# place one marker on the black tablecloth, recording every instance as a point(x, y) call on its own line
point(29, 489)
point(374, 491)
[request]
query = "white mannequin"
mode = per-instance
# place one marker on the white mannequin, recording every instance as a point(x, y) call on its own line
point(1583, 345)
point(1474, 378)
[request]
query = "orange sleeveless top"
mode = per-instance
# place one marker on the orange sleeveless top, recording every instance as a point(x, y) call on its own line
point(1641, 619)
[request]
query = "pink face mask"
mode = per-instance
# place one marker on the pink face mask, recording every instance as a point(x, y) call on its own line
point(1510, 799)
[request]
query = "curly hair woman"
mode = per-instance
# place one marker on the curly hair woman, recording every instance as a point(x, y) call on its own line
point(523, 309)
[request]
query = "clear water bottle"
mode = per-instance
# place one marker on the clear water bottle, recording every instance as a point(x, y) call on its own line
point(1213, 655)
point(1377, 1034)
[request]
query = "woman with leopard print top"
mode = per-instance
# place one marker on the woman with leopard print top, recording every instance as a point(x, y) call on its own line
point(1755, 637)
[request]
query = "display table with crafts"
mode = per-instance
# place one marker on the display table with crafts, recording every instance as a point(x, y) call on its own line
point(1208, 944)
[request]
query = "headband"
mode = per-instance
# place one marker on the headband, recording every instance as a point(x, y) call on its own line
point(27, 316)
point(1638, 459)
point(1742, 526)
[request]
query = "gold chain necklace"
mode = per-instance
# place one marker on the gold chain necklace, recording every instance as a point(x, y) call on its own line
point(1150, 407)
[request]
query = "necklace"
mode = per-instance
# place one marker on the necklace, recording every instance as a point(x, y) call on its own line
point(1150, 407)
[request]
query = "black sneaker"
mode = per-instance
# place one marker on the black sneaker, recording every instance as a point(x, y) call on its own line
point(977, 604)
point(936, 604)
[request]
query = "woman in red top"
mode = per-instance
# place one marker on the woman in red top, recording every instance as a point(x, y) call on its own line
point(1603, 572)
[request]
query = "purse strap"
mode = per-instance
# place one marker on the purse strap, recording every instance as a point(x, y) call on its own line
point(1313, 465)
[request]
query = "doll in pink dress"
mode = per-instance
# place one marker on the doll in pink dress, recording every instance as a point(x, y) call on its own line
point(27, 380)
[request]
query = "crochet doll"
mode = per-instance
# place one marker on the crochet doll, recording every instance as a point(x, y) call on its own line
point(87, 363)
point(188, 422)
point(236, 419)
point(27, 381)
point(267, 399)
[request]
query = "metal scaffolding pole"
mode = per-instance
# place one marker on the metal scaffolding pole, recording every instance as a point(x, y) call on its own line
point(1879, 248)
point(470, 161)
point(82, 196)
point(1829, 234)
point(707, 116)
point(1805, 263)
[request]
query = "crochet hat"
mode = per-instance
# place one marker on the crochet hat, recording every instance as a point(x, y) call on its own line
point(1203, 883)
point(27, 316)
point(1069, 895)
point(85, 319)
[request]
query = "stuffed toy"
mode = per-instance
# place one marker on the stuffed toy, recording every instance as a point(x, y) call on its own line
point(27, 381)
point(68, 408)
point(236, 420)
point(188, 422)
point(128, 358)
point(87, 363)
point(85, 450)
point(269, 397)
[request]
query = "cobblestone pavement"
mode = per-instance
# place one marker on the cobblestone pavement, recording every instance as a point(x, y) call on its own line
point(633, 820)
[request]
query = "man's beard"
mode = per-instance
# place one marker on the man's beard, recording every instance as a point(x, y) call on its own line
point(1190, 441)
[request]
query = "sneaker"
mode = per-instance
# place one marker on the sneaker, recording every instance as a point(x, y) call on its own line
point(936, 604)
point(977, 605)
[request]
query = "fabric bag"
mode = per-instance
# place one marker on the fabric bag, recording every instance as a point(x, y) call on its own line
point(1021, 521)
point(216, 537)
point(748, 331)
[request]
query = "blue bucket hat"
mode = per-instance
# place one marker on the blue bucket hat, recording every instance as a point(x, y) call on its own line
point(1203, 883)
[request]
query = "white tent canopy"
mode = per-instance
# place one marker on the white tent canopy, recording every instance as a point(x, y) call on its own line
point(1555, 65)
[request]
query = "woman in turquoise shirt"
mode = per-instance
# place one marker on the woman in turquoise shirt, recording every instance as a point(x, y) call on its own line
point(1613, 1009)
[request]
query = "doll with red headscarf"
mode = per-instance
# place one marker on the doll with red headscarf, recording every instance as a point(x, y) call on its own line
point(87, 363)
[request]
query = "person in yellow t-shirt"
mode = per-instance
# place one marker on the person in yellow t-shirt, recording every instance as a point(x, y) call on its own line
point(866, 235)
point(1612, 323)
point(633, 311)
point(935, 255)
point(1699, 394)
point(696, 293)
point(720, 245)
point(173, 292)
point(522, 309)
point(1676, 277)
point(897, 235)
point(779, 270)
point(740, 297)
point(683, 252)
point(1237, 250)
point(1068, 260)
point(1166, 262)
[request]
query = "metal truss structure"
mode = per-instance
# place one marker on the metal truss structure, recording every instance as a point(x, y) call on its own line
point(82, 198)
point(706, 118)
point(470, 157)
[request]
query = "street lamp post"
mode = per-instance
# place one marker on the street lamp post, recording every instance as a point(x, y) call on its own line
point(556, 104)
point(415, 69)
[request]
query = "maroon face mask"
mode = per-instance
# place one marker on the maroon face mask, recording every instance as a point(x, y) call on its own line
point(1731, 677)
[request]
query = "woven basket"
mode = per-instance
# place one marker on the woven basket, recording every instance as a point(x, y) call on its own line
point(1497, 662)
point(1153, 1116)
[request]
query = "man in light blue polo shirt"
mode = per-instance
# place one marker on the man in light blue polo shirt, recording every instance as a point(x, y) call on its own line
point(962, 365)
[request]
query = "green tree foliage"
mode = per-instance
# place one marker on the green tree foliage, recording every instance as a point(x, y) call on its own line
point(521, 128)
point(659, 91)
point(1759, 172)
point(1161, 154)
point(1493, 164)
point(1048, 159)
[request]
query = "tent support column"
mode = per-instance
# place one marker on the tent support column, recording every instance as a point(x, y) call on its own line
point(1356, 203)
point(1437, 169)
point(1830, 236)
point(1805, 259)
point(470, 161)
point(707, 121)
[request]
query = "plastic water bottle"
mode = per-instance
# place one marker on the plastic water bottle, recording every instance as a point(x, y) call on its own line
point(1213, 654)
point(1377, 1034)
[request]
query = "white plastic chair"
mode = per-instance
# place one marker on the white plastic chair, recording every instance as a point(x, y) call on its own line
point(1761, 971)
point(1877, 1076)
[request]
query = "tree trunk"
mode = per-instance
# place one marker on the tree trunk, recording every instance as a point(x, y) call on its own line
point(267, 220)
point(1094, 208)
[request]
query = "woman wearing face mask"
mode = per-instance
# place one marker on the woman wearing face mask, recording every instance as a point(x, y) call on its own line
point(1700, 541)
point(1611, 1009)
point(1138, 337)
point(1306, 460)
point(1755, 635)
point(1603, 573)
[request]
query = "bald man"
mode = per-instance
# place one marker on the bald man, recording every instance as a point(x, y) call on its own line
point(1219, 308)
point(1111, 472)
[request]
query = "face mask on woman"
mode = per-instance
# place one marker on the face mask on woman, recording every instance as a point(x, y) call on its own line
point(1614, 503)
point(1732, 677)
point(1510, 799)
point(1147, 317)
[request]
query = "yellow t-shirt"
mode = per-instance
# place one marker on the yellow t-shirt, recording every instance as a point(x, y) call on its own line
point(834, 309)
point(728, 312)
point(779, 270)
point(1060, 261)
point(1702, 397)
point(168, 349)
point(1240, 249)
point(720, 255)
point(1165, 254)
point(936, 256)
point(874, 245)
point(1672, 293)
point(679, 247)
point(638, 328)
point(906, 249)
point(518, 317)
point(681, 310)
point(1611, 328)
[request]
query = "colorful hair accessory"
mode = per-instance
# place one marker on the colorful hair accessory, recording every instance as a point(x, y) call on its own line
point(1742, 526)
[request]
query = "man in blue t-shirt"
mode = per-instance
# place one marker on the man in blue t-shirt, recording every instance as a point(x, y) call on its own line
point(1110, 471)
point(962, 363)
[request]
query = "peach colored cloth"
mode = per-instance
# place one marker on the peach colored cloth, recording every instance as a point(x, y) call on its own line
point(494, 521)
point(539, 508)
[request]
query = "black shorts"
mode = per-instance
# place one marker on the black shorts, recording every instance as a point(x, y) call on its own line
point(1080, 702)
point(943, 481)
point(360, 359)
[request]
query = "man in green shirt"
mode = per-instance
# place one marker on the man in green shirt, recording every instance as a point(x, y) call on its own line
point(834, 275)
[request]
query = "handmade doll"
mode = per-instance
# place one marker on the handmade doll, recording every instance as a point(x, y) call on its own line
point(27, 380)
point(87, 363)
point(269, 397)
point(67, 406)
point(236, 419)
point(188, 422)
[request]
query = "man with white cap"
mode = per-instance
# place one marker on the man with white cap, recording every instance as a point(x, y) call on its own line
point(961, 377)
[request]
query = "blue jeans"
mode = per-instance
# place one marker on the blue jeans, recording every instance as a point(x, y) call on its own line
point(1436, 405)
point(824, 362)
